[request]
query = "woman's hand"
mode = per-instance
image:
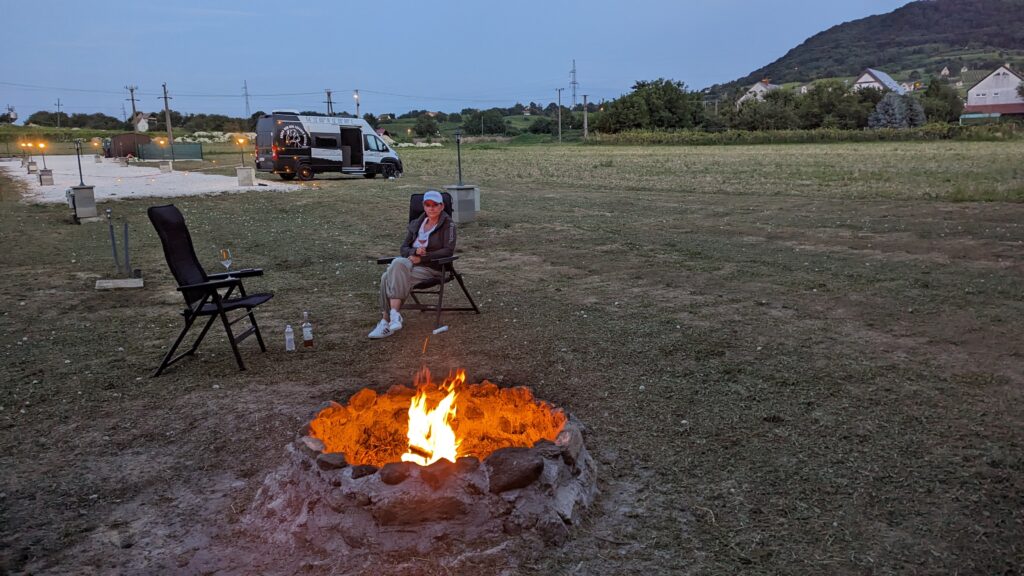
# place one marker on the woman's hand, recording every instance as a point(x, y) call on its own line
point(421, 251)
point(414, 259)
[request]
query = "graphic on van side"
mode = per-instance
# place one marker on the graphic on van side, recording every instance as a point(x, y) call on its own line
point(294, 137)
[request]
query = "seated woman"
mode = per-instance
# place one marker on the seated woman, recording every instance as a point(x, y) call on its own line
point(428, 238)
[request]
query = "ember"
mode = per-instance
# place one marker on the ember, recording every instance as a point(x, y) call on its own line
point(432, 421)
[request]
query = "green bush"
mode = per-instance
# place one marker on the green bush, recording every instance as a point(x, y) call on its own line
point(928, 132)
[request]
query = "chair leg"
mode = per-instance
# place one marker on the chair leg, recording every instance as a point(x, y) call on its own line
point(231, 337)
point(199, 340)
point(440, 300)
point(174, 347)
point(259, 338)
point(466, 292)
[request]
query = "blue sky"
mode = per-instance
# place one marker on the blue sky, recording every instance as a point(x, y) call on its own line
point(401, 55)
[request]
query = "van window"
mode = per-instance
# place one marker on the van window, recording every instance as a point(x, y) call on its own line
point(381, 145)
point(371, 142)
point(326, 142)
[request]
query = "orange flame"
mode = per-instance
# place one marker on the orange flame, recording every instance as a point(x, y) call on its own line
point(431, 436)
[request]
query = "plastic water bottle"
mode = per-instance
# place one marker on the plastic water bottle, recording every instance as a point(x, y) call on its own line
point(307, 331)
point(289, 338)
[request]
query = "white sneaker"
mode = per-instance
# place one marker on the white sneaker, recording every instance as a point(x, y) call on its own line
point(396, 321)
point(381, 331)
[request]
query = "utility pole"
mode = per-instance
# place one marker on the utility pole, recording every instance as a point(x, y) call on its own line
point(245, 93)
point(329, 102)
point(167, 118)
point(58, 112)
point(131, 91)
point(573, 82)
point(356, 96)
point(124, 115)
point(559, 91)
point(585, 134)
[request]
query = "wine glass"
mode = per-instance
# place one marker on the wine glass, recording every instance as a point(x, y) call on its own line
point(225, 259)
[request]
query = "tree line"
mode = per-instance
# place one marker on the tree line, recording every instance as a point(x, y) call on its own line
point(661, 104)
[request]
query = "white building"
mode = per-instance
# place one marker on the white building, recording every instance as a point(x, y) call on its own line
point(996, 93)
point(871, 78)
point(757, 91)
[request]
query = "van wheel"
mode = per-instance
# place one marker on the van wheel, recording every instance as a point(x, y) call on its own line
point(388, 170)
point(304, 172)
point(287, 175)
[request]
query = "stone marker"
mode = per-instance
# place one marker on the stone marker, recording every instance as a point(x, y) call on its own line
point(246, 176)
point(33, 168)
point(46, 177)
point(116, 283)
point(165, 167)
point(465, 202)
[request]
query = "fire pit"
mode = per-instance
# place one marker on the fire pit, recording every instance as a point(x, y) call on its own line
point(451, 462)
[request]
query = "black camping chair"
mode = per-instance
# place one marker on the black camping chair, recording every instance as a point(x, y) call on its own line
point(435, 287)
point(202, 291)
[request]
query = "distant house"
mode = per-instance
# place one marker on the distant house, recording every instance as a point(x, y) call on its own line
point(757, 91)
point(996, 94)
point(871, 78)
point(945, 72)
point(804, 89)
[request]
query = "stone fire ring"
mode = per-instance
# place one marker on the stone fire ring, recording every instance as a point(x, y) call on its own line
point(317, 499)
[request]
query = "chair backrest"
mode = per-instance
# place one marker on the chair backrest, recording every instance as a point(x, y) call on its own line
point(178, 250)
point(416, 205)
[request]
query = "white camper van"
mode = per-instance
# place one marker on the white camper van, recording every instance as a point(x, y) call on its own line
point(292, 145)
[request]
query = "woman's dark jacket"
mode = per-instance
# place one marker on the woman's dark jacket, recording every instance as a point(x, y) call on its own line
point(440, 243)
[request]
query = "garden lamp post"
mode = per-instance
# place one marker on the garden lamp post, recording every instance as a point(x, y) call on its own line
point(78, 155)
point(42, 151)
point(355, 96)
point(241, 149)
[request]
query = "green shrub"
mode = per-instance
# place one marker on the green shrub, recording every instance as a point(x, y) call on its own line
point(928, 132)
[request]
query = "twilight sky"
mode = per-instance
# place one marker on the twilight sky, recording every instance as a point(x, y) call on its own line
point(401, 55)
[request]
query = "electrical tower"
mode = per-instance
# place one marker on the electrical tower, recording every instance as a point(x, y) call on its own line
point(245, 93)
point(329, 102)
point(58, 112)
point(573, 83)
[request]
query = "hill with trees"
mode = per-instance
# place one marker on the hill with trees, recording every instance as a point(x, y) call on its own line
point(916, 40)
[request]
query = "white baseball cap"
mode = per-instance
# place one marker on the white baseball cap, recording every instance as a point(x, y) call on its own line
point(433, 195)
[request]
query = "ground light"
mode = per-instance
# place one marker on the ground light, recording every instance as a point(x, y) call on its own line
point(78, 155)
point(241, 149)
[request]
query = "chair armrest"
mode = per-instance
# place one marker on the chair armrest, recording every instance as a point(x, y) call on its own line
point(386, 260)
point(213, 284)
point(246, 273)
point(445, 260)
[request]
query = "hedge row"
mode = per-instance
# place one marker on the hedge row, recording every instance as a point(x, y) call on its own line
point(928, 132)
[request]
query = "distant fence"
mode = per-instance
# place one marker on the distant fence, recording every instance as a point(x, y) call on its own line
point(163, 152)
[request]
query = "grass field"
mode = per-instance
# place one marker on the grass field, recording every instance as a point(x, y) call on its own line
point(791, 359)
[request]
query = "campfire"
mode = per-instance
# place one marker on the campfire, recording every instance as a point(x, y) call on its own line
point(432, 421)
point(395, 472)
